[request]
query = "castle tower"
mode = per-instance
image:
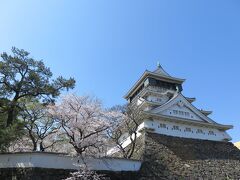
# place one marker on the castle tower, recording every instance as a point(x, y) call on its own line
point(169, 112)
point(176, 140)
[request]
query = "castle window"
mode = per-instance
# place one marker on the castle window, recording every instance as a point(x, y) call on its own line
point(188, 130)
point(200, 131)
point(175, 112)
point(163, 125)
point(181, 113)
point(176, 128)
point(211, 133)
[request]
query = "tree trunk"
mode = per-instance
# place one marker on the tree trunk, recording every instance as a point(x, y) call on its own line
point(78, 150)
point(33, 141)
point(11, 114)
point(12, 111)
point(34, 147)
point(42, 149)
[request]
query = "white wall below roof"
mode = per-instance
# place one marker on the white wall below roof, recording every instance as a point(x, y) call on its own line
point(58, 161)
point(169, 131)
point(155, 124)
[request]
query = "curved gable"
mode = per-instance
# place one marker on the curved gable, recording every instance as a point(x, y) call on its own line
point(180, 107)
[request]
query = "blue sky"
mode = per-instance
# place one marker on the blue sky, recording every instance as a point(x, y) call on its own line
point(106, 45)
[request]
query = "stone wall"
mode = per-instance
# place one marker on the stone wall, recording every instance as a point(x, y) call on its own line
point(55, 174)
point(168, 157)
point(33, 174)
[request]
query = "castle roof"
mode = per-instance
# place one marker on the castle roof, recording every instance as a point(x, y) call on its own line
point(161, 71)
point(159, 74)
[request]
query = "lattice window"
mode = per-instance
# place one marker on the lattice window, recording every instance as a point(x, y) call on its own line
point(163, 125)
point(211, 133)
point(200, 131)
point(176, 128)
point(181, 113)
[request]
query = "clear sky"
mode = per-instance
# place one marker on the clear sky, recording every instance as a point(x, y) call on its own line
point(106, 45)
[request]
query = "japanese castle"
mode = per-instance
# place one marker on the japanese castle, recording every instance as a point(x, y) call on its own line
point(169, 112)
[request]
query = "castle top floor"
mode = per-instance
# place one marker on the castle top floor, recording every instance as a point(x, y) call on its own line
point(158, 80)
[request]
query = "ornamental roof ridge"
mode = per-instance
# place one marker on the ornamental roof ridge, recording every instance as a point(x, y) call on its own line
point(160, 70)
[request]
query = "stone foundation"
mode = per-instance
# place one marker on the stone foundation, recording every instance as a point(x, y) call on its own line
point(33, 174)
point(168, 157)
point(54, 174)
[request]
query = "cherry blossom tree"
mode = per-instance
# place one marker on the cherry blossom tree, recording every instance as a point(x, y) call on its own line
point(83, 123)
point(22, 144)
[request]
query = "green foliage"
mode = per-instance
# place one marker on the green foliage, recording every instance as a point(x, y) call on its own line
point(22, 77)
point(9, 134)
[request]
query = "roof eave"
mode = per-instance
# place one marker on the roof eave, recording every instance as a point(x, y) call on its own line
point(207, 113)
point(170, 78)
point(191, 100)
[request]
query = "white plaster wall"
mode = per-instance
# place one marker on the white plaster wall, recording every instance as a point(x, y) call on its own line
point(169, 112)
point(155, 125)
point(219, 135)
point(57, 161)
point(128, 141)
point(124, 137)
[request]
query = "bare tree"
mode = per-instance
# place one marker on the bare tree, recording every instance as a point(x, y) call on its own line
point(41, 128)
point(125, 122)
point(82, 122)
